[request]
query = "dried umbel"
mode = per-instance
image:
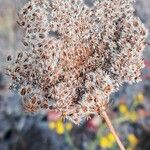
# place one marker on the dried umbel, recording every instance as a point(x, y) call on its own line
point(80, 51)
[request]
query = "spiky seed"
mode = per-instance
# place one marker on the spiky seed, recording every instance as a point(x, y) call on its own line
point(23, 91)
point(9, 58)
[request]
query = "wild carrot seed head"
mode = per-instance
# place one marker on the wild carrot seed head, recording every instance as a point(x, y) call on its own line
point(80, 52)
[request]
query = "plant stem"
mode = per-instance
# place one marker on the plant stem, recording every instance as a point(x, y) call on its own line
point(111, 128)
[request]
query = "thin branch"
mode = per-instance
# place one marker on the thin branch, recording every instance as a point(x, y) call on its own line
point(110, 126)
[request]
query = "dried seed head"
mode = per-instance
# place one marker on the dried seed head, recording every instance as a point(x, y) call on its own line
point(81, 52)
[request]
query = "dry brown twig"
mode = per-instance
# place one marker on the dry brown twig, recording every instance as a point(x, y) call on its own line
point(112, 130)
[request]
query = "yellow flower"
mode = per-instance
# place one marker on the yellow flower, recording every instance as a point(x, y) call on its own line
point(105, 143)
point(111, 138)
point(139, 97)
point(132, 139)
point(129, 148)
point(123, 108)
point(68, 126)
point(52, 125)
point(133, 116)
point(59, 127)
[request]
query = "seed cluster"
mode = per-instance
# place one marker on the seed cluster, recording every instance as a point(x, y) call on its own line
point(80, 52)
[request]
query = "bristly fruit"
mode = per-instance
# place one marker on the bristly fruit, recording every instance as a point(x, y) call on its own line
point(81, 52)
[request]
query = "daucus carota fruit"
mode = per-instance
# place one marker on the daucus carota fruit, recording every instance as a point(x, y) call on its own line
point(80, 52)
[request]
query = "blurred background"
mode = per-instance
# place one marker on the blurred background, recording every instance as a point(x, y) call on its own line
point(129, 110)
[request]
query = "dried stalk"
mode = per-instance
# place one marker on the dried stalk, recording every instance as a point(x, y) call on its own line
point(111, 128)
